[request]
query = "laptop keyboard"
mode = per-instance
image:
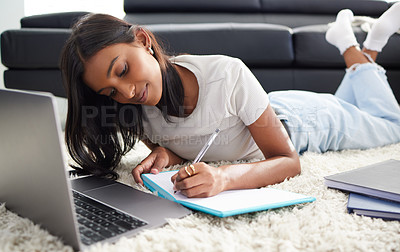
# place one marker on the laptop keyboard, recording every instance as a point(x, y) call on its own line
point(98, 221)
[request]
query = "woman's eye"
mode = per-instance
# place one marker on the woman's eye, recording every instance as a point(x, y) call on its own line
point(123, 72)
point(112, 93)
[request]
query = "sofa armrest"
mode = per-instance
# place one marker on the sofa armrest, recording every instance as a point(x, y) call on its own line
point(52, 20)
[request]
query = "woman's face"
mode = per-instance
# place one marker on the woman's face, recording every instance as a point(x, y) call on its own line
point(128, 73)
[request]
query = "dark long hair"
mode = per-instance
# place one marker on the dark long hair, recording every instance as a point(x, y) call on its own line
point(99, 131)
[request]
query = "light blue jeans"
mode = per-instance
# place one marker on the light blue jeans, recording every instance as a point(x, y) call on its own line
point(362, 114)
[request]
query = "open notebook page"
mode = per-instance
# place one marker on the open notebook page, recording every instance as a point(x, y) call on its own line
point(233, 199)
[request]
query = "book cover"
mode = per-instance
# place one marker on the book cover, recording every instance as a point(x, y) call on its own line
point(373, 207)
point(226, 203)
point(380, 180)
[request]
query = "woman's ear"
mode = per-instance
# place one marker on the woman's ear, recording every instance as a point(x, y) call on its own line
point(143, 38)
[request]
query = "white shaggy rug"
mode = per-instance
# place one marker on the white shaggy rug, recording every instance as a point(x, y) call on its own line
point(323, 225)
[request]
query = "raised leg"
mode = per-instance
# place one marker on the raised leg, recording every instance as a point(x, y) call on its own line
point(353, 56)
point(373, 54)
point(341, 35)
point(365, 84)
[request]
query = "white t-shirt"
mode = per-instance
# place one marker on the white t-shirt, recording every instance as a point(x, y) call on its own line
point(230, 98)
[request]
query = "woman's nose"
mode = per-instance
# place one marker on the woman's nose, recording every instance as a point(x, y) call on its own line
point(128, 91)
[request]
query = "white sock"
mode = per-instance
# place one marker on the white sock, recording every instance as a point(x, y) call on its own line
point(340, 34)
point(384, 27)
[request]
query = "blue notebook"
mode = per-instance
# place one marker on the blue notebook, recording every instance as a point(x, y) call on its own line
point(373, 207)
point(226, 203)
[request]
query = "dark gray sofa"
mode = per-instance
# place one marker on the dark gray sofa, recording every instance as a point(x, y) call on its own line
point(282, 41)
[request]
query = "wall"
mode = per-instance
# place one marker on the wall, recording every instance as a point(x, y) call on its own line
point(113, 7)
point(11, 11)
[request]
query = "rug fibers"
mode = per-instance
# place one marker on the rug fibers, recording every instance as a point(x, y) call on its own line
point(323, 225)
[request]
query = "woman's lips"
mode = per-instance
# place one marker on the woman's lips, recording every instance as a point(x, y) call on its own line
point(143, 95)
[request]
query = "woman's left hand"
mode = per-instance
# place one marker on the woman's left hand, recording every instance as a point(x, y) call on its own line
point(204, 181)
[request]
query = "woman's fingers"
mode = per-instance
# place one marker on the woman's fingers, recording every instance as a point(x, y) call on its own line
point(144, 167)
point(158, 165)
point(189, 182)
point(199, 181)
point(136, 172)
point(192, 181)
point(196, 192)
point(153, 163)
point(185, 172)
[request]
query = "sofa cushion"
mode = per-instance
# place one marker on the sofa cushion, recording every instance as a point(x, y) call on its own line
point(291, 13)
point(312, 50)
point(33, 48)
point(193, 18)
point(359, 7)
point(255, 44)
point(390, 55)
point(191, 6)
point(258, 45)
point(291, 19)
point(310, 79)
point(53, 20)
point(47, 80)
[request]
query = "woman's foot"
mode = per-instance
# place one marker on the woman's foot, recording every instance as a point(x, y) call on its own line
point(384, 27)
point(340, 33)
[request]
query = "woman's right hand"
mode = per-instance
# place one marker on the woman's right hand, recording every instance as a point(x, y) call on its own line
point(158, 159)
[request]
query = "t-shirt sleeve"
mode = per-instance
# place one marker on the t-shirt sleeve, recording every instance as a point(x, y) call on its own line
point(248, 99)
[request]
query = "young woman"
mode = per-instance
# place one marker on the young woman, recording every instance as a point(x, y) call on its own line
point(122, 88)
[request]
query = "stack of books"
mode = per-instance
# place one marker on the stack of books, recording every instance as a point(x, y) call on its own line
point(374, 189)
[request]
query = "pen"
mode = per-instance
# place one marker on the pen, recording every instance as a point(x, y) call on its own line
point(205, 147)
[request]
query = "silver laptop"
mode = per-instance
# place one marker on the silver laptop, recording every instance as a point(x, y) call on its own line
point(34, 180)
